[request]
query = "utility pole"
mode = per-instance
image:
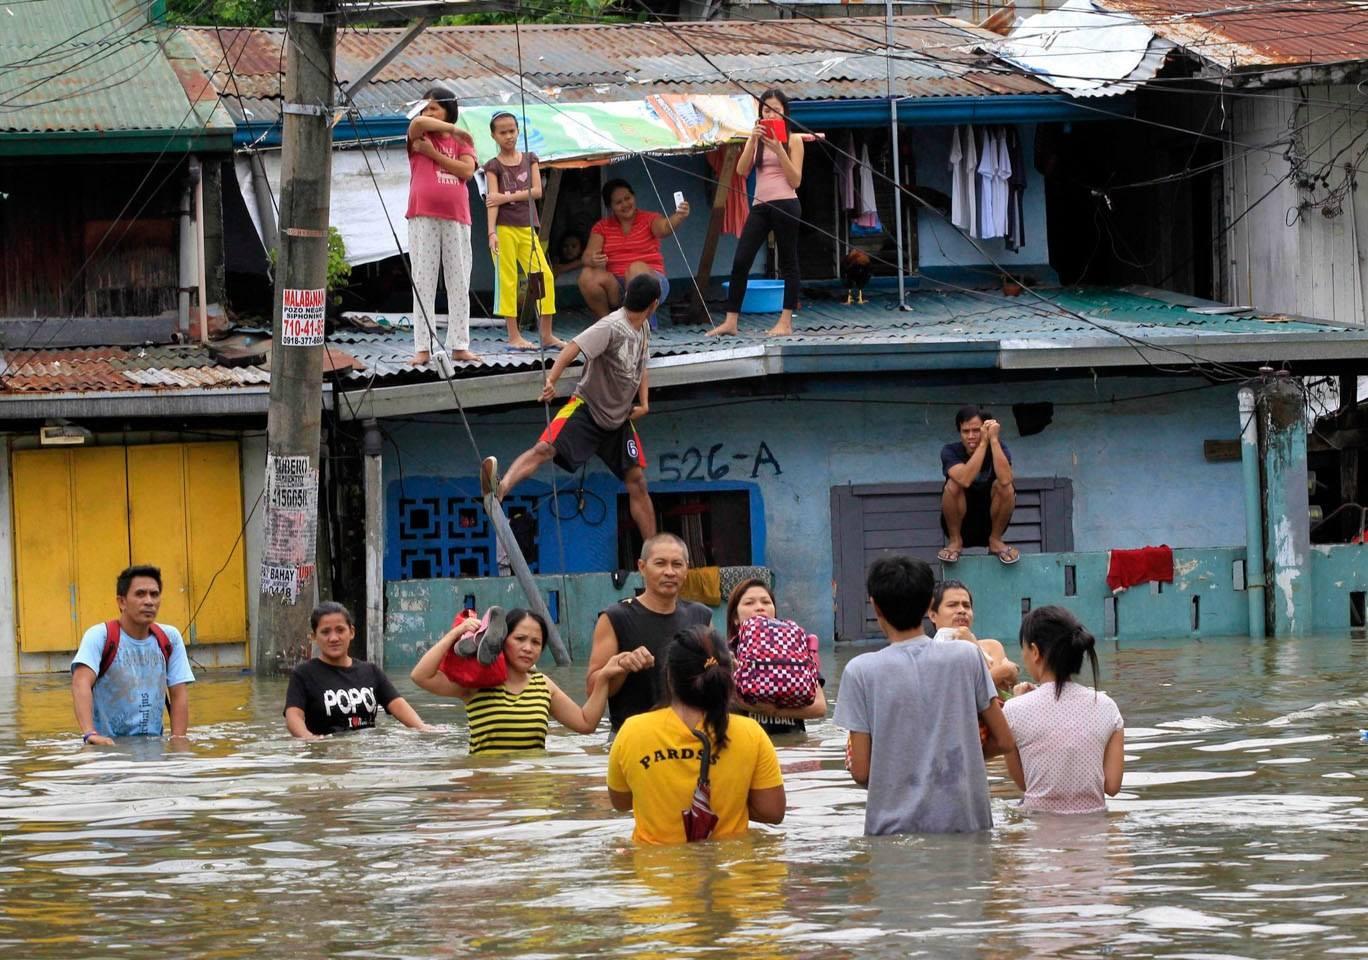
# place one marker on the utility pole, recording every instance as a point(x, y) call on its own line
point(289, 553)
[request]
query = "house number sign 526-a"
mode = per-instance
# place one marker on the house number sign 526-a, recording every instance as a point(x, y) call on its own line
point(715, 463)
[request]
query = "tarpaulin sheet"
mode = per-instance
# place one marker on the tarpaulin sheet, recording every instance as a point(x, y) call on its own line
point(370, 184)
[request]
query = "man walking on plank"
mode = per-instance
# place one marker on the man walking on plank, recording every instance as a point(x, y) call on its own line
point(598, 417)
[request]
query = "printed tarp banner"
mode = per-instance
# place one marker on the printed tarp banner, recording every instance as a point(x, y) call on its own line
point(370, 185)
point(582, 134)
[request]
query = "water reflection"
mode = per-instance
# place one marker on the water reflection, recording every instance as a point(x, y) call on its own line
point(1237, 833)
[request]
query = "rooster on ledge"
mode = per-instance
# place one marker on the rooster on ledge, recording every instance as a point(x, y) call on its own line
point(855, 271)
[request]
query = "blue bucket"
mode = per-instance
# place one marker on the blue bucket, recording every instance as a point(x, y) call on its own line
point(762, 296)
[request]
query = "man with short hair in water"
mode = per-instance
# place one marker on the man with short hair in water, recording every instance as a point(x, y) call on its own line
point(125, 669)
point(650, 620)
point(598, 417)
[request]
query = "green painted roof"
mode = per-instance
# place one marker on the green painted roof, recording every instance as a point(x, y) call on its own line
point(73, 70)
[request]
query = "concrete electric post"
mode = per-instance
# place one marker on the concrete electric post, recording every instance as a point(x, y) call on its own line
point(289, 554)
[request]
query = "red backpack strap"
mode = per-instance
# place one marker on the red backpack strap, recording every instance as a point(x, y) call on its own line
point(111, 647)
point(163, 641)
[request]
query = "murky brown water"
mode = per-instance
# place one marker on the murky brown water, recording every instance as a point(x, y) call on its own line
point(1240, 833)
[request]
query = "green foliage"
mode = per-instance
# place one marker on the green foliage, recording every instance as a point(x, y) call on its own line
point(339, 270)
point(554, 11)
point(223, 13)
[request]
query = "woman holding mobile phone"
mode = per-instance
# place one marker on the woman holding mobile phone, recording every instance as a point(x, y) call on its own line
point(776, 152)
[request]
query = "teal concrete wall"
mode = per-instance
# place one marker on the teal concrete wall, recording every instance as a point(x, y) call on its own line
point(418, 612)
point(1131, 446)
point(1337, 570)
point(1206, 597)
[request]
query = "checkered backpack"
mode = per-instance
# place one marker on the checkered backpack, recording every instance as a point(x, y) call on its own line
point(776, 662)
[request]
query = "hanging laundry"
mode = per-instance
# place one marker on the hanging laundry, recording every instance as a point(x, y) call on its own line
point(1016, 203)
point(1002, 172)
point(845, 173)
point(963, 168)
point(868, 220)
point(987, 170)
point(738, 204)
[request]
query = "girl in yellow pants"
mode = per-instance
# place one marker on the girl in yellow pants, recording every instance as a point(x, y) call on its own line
point(514, 179)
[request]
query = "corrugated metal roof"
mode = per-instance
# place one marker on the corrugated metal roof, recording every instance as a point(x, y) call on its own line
point(98, 369)
point(1065, 318)
point(96, 65)
point(830, 59)
point(1257, 34)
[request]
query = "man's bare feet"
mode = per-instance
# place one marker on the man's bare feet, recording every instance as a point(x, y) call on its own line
point(420, 358)
point(465, 355)
point(553, 343)
point(522, 343)
point(780, 329)
point(727, 328)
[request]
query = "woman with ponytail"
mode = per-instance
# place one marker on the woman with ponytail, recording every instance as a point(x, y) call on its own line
point(1071, 737)
point(653, 767)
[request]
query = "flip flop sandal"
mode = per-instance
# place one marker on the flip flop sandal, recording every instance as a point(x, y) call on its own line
point(489, 476)
point(1009, 556)
point(493, 630)
point(469, 644)
point(948, 556)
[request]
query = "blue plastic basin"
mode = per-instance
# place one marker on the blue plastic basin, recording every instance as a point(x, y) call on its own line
point(762, 296)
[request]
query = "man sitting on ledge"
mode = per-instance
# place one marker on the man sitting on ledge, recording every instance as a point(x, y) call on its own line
point(978, 499)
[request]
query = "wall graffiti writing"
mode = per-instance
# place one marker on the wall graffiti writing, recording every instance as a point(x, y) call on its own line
point(716, 463)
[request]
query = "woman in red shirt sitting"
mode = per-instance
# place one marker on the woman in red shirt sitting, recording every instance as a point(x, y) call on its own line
point(622, 245)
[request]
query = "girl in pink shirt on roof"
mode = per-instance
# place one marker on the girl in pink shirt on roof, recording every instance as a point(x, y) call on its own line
point(441, 162)
point(778, 174)
point(1071, 737)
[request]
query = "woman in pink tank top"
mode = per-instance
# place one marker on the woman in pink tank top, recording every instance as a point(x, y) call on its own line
point(778, 173)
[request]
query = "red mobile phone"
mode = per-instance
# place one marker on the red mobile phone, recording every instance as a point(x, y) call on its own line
point(776, 128)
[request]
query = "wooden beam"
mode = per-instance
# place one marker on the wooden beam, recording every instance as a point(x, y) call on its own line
point(698, 310)
point(550, 197)
point(382, 61)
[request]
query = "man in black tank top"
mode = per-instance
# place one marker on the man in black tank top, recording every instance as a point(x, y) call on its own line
point(650, 620)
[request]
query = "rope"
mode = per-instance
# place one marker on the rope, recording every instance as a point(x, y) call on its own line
point(537, 258)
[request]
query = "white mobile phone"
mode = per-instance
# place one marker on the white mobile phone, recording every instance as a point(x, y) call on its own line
point(679, 199)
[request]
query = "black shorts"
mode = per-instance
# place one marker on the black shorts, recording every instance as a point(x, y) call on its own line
point(577, 437)
point(978, 516)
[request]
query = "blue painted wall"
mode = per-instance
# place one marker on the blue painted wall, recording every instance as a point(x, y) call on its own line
point(1137, 467)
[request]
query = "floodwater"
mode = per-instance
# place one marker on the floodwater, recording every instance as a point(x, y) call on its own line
point(1239, 833)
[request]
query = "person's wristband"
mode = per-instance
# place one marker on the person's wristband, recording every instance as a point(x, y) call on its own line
point(85, 737)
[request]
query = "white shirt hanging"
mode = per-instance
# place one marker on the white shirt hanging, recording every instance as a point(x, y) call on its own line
point(987, 171)
point(963, 164)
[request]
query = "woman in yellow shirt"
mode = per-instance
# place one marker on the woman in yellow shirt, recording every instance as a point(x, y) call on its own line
point(654, 763)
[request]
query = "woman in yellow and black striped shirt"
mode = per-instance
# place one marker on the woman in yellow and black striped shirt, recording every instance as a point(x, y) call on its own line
point(515, 715)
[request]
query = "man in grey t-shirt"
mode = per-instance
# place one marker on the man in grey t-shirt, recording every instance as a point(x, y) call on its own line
point(598, 418)
point(912, 710)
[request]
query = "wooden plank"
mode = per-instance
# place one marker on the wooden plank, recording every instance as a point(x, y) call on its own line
point(550, 198)
point(903, 540)
point(213, 517)
point(698, 310)
point(45, 567)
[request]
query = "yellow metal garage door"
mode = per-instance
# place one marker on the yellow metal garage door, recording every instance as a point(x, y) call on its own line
point(81, 516)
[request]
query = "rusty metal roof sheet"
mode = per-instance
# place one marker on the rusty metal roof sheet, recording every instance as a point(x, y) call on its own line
point(1257, 34)
point(99, 369)
point(83, 66)
point(829, 59)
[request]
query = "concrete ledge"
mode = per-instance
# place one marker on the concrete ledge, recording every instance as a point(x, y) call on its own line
point(418, 612)
point(1206, 598)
